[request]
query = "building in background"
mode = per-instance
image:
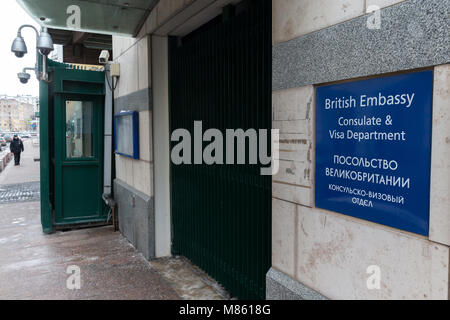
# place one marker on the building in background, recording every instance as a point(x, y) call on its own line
point(18, 113)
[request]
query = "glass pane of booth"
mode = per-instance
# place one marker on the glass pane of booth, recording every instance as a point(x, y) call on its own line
point(79, 126)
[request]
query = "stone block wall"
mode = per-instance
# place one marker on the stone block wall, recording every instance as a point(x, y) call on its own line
point(322, 254)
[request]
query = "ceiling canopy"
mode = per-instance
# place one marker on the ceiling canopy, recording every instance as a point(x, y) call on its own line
point(121, 17)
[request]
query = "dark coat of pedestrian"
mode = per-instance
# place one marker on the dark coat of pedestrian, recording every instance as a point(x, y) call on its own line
point(16, 147)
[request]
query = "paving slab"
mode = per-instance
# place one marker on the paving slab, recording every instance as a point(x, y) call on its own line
point(28, 171)
point(34, 265)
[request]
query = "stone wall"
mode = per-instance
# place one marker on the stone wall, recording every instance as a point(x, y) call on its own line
point(134, 178)
point(327, 254)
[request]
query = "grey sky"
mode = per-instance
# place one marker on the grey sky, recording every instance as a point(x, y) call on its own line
point(12, 16)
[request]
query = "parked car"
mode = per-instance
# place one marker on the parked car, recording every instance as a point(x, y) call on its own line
point(25, 136)
point(2, 142)
point(8, 138)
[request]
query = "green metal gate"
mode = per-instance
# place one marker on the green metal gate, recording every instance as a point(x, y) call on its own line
point(221, 75)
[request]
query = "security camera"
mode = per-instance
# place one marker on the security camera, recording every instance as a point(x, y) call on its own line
point(45, 42)
point(19, 48)
point(45, 52)
point(23, 77)
point(104, 57)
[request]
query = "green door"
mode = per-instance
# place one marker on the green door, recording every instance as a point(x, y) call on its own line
point(221, 75)
point(78, 144)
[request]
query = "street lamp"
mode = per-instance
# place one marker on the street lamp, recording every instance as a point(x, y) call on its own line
point(44, 45)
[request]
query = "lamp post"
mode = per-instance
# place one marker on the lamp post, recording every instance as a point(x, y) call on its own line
point(44, 45)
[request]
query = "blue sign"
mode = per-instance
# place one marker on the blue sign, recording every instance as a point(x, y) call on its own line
point(373, 149)
point(126, 134)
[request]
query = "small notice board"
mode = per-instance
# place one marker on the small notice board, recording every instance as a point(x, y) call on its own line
point(126, 134)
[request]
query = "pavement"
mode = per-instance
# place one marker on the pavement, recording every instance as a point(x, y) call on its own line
point(28, 171)
point(88, 264)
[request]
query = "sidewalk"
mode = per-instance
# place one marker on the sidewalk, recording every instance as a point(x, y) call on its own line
point(34, 265)
point(28, 171)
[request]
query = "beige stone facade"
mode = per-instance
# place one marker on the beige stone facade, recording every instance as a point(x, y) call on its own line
point(331, 252)
point(15, 114)
point(325, 251)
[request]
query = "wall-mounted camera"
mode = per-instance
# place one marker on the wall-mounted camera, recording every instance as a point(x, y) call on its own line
point(23, 77)
point(104, 57)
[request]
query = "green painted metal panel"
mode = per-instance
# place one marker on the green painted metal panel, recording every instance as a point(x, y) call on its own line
point(76, 81)
point(44, 136)
point(221, 214)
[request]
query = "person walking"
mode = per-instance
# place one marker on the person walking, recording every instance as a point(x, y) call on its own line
point(16, 147)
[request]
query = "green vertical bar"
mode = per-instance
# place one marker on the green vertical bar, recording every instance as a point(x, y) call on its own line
point(44, 136)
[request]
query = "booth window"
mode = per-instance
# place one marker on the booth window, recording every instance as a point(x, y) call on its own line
point(79, 125)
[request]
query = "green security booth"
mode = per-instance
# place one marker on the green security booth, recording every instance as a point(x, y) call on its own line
point(71, 146)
